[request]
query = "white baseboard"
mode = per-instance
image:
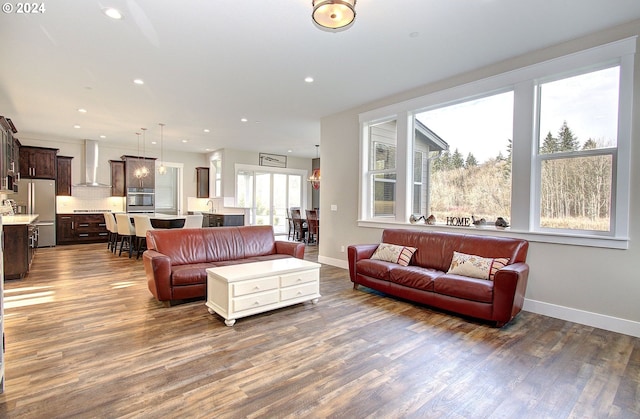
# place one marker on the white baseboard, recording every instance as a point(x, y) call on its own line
point(588, 318)
point(338, 263)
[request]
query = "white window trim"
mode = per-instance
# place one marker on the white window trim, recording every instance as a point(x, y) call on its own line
point(525, 143)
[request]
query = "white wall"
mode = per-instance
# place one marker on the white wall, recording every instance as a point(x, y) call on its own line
point(595, 286)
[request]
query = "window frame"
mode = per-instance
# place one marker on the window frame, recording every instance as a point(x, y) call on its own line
point(525, 158)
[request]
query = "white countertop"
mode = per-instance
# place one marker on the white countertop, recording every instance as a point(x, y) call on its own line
point(20, 219)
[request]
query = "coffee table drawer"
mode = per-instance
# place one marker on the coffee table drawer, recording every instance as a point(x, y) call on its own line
point(257, 285)
point(296, 278)
point(256, 300)
point(299, 291)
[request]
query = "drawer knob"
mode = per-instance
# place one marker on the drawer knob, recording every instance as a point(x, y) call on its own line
point(256, 287)
point(257, 303)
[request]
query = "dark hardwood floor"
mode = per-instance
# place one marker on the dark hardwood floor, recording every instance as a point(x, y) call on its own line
point(85, 339)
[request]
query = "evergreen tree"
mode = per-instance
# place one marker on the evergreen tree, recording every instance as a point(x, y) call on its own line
point(457, 161)
point(590, 144)
point(442, 162)
point(567, 141)
point(509, 150)
point(549, 145)
point(470, 161)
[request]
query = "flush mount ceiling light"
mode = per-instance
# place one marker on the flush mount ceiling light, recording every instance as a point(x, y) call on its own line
point(334, 14)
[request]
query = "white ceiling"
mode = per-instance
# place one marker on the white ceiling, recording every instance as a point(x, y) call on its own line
point(207, 64)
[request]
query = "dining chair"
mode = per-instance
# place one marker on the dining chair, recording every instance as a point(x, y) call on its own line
point(291, 228)
point(142, 224)
point(299, 225)
point(193, 221)
point(313, 226)
point(126, 232)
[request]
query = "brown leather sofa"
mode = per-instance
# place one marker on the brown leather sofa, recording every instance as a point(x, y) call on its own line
point(176, 260)
point(425, 280)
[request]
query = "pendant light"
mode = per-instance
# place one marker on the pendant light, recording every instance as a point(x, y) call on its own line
point(162, 170)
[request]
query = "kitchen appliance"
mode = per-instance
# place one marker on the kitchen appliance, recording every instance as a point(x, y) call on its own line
point(38, 196)
point(141, 200)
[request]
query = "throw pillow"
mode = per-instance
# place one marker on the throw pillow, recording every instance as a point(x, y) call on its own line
point(394, 253)
point(476, 266)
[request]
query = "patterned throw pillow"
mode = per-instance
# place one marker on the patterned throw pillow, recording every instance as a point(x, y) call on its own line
point(476, 266)
point(394, 253)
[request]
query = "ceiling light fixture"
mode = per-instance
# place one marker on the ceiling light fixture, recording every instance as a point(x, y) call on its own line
point(334, 14)
point(162, 170)
point(314, 179)
point(138, 81)
point(112, 13)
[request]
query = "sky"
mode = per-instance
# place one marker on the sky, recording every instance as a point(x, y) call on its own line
point(589, 104)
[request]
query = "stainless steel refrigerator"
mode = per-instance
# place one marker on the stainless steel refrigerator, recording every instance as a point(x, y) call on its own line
point(38, 196)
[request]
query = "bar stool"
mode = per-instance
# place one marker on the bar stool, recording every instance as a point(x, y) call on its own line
point(126, 231)
point(142, 224)
point(112, 238)
point(193, 221)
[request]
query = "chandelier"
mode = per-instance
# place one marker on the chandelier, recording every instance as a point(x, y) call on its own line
point(334, 14)
point(142, 170)
point(314, 179)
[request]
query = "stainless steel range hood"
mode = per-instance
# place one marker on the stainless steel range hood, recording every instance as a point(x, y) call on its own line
point(91, 165)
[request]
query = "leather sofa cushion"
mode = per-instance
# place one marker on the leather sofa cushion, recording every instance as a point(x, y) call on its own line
point(464, 287)
point(414, 277)
point(190, 274)
point(375, 268)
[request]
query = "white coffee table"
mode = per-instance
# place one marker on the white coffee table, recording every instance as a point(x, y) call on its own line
point(250, 288)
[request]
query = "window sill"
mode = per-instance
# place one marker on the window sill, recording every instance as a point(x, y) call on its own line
point(538, 237)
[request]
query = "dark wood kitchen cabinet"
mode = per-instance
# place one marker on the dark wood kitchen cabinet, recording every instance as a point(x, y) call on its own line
point(20, 243)
point(81, 228)
point(63, 180)
point(222, 220)
point(117, 178)
point(38, 162)
point(202, 182)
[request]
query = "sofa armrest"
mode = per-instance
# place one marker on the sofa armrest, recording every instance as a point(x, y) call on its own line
point(157, 268)
point(290, 248)
point(355, 252)
point(509, 286)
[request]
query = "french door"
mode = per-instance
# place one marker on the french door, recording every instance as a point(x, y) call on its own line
point(268, 194)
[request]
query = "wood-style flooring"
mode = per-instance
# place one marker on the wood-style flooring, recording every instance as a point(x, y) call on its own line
point(85, 339)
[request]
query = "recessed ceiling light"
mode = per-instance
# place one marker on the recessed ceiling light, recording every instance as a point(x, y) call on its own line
point(208, 149)
point(289, 151)
point(185, 141)
point(154, 142)
point(244, 120)
point(103, 136)
point(82, 110)
point(76, 126)
point(308, 79)
point(207, 130)
point(138, 81)
point(112, 13)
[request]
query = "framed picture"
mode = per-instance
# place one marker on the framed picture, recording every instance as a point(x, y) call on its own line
point(273, 160)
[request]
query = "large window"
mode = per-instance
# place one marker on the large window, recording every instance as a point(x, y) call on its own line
point(546, 147)
point(268, 193)
point(465, 159)
point(382, 168)
point(577, 150)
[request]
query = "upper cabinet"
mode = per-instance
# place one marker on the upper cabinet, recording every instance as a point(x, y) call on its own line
point(202, 182)
point(9, 155)
point(63, 181)
point(117, 177)
point(133, 165)
point(38, 162)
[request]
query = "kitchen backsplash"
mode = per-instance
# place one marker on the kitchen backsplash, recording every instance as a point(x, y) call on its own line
point(89, 198)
